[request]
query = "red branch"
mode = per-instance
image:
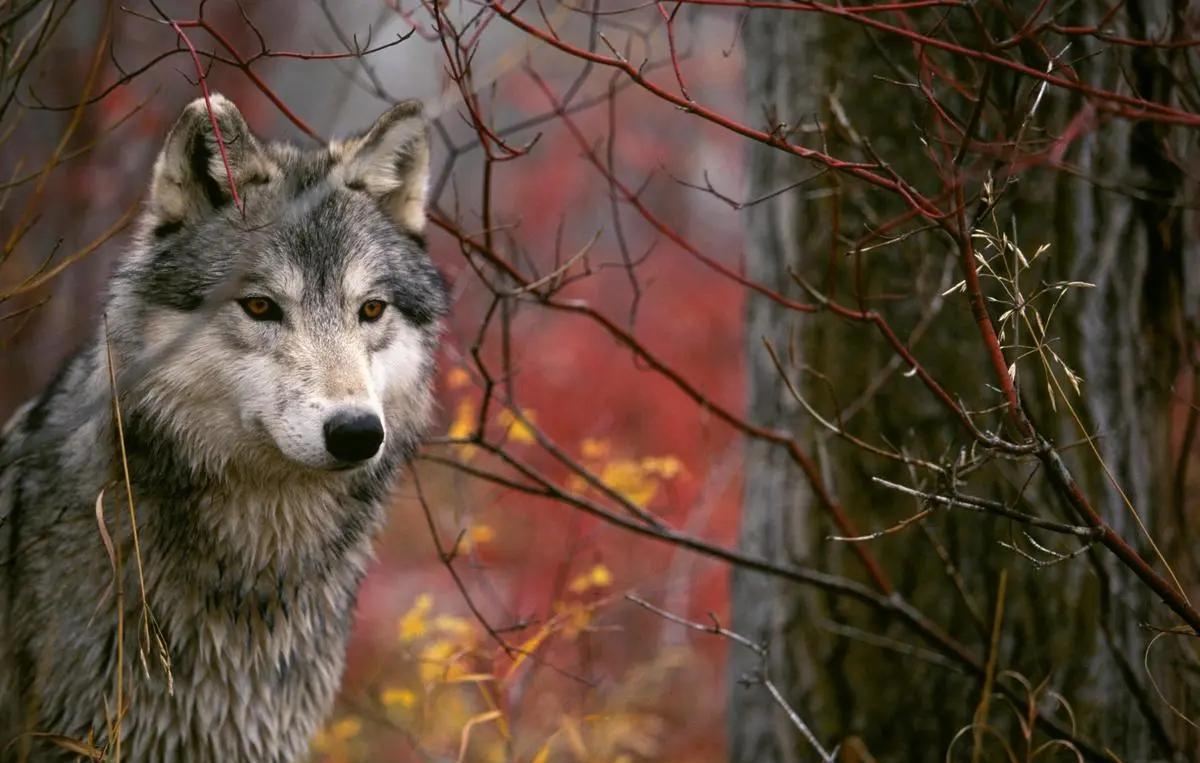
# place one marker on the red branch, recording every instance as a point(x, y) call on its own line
point(212, 117)
point(860, 170)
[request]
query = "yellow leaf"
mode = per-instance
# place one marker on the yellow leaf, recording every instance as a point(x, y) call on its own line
point(593, 448)
point(580, 583)
point(405, 698)
point(517, 430)
point(412, 624)
point(454, 626)
point(411, 627)
point(630, 480)
point(482, 534)
point(666, 467)
point(346, 728)
point(440, 662)
point(464, 420)
point(457, 378)
point(475, 536)
point(600, 576)
point(463, 427)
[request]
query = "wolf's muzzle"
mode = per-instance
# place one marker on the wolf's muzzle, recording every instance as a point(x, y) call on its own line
point(353, 435)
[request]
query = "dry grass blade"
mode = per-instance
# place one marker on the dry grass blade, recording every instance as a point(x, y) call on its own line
point(31, 208)
point(40, 279)
point(1022, 313)
point(1154, 684)
point(989, 676)
point(980, 729)
point(104, 536)
point(478, 720)
point(81, 748)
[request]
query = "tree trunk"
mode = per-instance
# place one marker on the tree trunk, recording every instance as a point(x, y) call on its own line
point(1115, 222)
point(775, 521)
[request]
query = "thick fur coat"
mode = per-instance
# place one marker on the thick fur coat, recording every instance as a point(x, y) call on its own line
point(243, 331)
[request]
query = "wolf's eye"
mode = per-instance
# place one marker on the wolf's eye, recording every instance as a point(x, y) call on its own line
point(371, 310)
point(261, 309)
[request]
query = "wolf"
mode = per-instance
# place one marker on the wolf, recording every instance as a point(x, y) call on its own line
point(187, 511)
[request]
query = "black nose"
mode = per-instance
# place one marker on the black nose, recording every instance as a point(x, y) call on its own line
point(353, 436)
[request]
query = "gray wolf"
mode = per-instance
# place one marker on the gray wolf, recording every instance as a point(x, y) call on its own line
point(272, 359)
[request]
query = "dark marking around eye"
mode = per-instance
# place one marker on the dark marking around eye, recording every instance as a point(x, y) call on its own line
point(190, 302)
point(162, 230)
point(261, 309)
point(419, 310)
point(371, 310)
point(420, 295)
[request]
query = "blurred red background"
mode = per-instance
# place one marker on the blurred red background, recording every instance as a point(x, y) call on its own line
point(601, 672)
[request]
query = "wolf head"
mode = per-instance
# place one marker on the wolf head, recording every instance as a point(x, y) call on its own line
point(279, 310)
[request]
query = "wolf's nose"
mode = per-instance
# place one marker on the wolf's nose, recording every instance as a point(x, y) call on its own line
point(353, 435)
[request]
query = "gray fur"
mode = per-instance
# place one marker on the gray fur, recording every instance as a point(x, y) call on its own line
point(253, 543)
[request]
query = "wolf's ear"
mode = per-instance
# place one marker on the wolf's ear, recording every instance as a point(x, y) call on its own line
point(391, 162)
point(190, 179)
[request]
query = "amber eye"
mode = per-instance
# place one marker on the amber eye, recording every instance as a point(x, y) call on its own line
point(371, 310)
point(261, 309)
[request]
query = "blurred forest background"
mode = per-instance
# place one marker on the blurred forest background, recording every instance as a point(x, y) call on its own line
point(820, 381)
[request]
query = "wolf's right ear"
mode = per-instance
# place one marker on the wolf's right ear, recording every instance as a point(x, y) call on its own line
point(190, 178)
point(391, 162)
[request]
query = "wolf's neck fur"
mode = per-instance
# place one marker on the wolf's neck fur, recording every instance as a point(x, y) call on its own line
point(256, 518)
point(252, 580)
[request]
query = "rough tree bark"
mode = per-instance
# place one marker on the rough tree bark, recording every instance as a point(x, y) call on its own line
point(1119, 221)
point(775, 520)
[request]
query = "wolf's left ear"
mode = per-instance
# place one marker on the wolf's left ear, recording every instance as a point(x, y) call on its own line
point(391, 162)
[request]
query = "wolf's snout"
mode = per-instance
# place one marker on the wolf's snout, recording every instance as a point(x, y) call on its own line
point(353, 435)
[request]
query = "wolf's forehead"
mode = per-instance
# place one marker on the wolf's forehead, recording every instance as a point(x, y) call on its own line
point(304, 281)
point(327, 241)
point(301, 170)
